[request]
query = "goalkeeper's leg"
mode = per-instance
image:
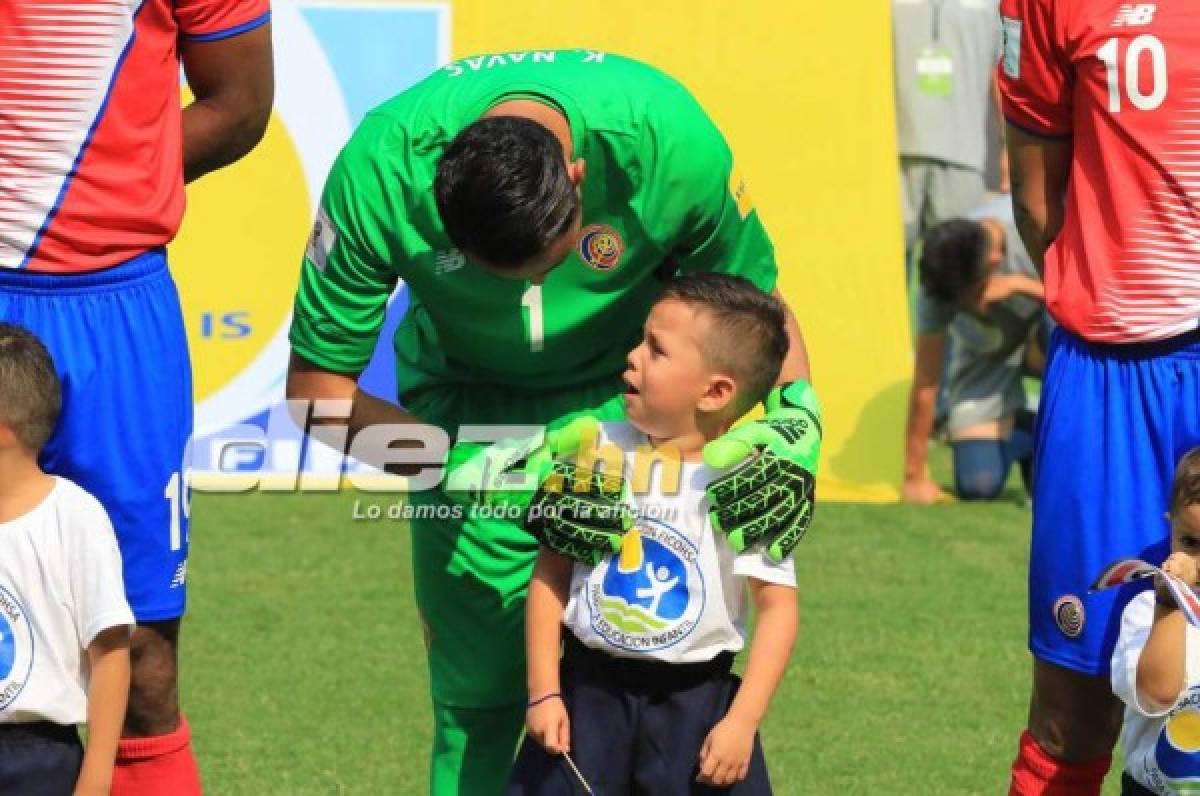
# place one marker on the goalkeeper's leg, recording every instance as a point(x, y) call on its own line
point(473, 748)
point(470, 576)
point(470, 579)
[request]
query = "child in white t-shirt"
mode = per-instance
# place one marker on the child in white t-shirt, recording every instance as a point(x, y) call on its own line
point(64, 621)
point(643, 699)
point(1156, 662)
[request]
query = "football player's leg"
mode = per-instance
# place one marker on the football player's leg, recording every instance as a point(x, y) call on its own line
point(470, 577)
point(980, 468)
point(121, 348)
point(473, 749)
point(1108, 436)
point(471, 573)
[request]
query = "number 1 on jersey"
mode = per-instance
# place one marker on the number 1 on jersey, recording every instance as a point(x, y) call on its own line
point(532, 299)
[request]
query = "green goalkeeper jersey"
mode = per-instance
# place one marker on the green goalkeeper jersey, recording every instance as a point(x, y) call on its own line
point(660, 197)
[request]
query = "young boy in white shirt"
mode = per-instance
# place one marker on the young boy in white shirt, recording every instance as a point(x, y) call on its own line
point(643, 699)
point(64, 620)
point(1156, 662)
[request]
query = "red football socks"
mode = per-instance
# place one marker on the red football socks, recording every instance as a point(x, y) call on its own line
point(1035, 773)
point(156, 766)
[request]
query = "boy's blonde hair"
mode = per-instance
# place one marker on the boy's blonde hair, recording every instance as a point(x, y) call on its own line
point(1185, 488)
point(30, 392)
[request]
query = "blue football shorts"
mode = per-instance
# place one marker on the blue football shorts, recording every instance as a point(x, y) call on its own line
point(1112, 423)
point(118, 342)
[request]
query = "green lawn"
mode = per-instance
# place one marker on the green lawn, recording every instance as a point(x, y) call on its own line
point(304, 672)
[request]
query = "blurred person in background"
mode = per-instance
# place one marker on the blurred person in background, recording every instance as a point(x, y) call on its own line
point(979, 310)
point(945, 54)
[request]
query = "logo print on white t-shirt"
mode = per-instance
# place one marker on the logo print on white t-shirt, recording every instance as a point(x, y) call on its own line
point(8, 647)
point(1177, 752)
point(651, 603)
point(16, 648)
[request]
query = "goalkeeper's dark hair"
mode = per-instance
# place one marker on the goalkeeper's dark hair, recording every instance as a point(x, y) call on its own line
point(953, 260)
point(1185, 487)
point(748, 334)
point(30, 392)
point(503, 191)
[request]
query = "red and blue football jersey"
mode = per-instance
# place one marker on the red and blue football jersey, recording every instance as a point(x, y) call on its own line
point(91, 148)
point(1121, 80)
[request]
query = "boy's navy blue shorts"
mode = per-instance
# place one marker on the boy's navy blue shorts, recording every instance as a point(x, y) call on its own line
point(1113, 421)
point(118, 342)
point(636, 728)
point(39, 759)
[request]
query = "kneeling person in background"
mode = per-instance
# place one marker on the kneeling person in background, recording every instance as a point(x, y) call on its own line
point(64, 621)
point(980, 304)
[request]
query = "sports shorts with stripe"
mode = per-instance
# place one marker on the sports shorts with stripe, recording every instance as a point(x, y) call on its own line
point(1113, 421)
point(118, 341)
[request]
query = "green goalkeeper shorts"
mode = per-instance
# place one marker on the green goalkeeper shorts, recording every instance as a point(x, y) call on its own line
point(471, 569)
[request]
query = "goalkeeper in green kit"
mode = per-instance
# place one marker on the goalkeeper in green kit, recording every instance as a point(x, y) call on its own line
point(533, 204)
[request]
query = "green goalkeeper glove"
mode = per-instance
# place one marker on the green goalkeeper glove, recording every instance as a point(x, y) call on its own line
point(580, 514)
point(769, 498)
point(505, 473)
point(577, 513)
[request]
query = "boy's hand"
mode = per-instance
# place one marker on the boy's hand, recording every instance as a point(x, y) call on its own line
point(725, 755)
point(770, 497)
point(1182, 566)
point(549, 725)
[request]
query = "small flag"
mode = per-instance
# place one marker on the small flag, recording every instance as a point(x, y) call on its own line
point(1185, 598)
point(1131, 569)
point(1125, 571)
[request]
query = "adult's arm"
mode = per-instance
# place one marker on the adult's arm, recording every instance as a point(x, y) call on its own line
point(310, 383)
point(795, 366)
point(341, 303)
point(998, 103)
point(1005, 286)
point(1040, 169)
point(233, 83)
point(922, 401)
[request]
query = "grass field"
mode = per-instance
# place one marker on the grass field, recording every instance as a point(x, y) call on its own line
point(304, 670)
